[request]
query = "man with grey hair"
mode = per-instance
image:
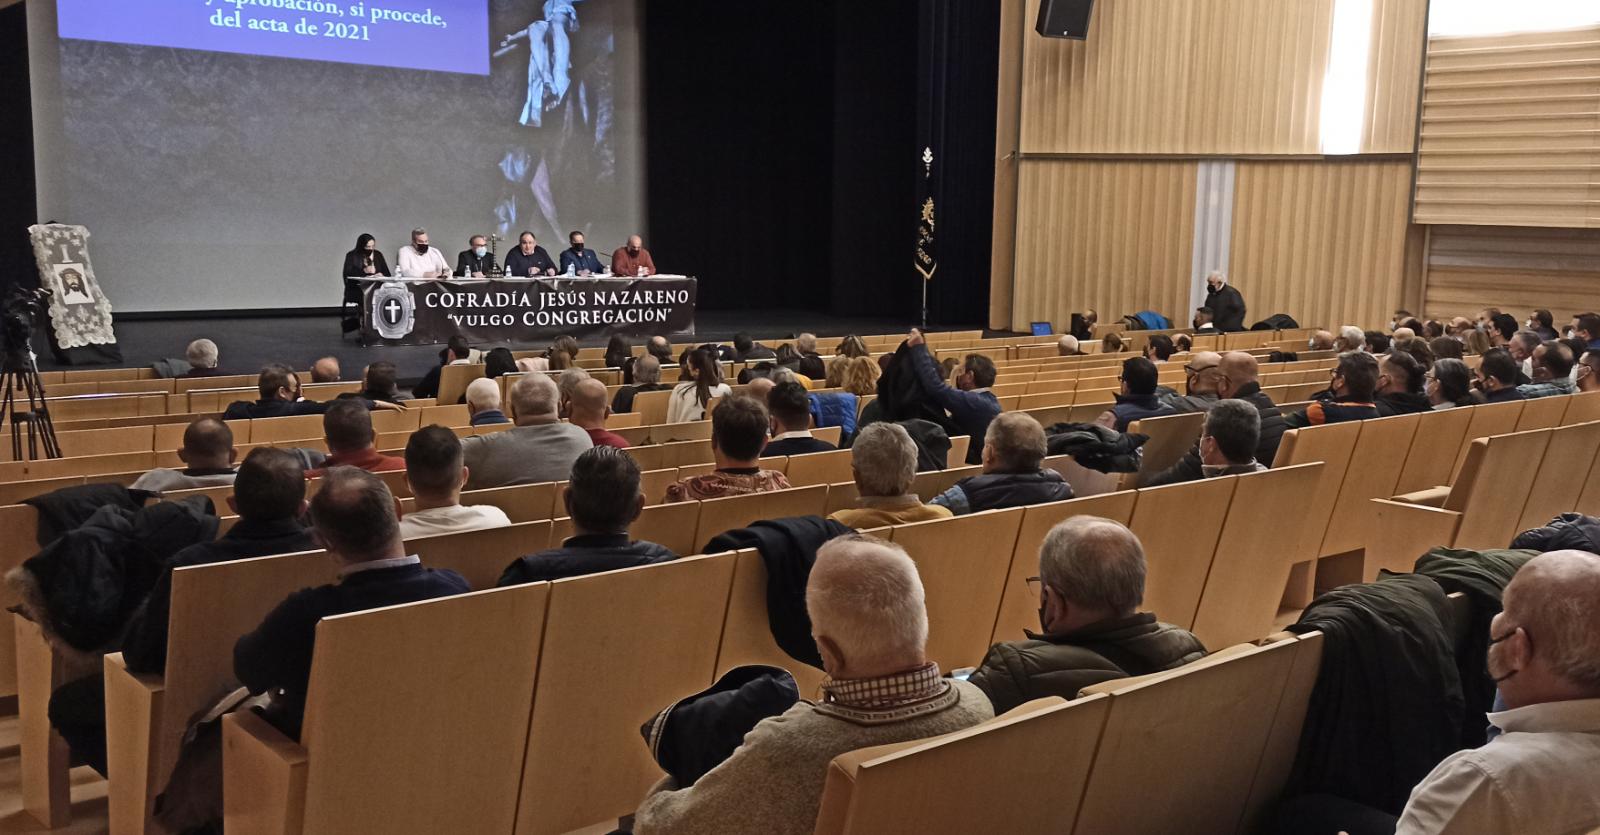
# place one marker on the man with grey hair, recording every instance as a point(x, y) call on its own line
point(1522, 345)
point(1351, 338)
point(483, 403)
point(1090, 587)
point(646, 377)
point(870, 621)
point(1541, 774)
point(1228, 442)
point(811, 364)
point(1067, 346)
point(202, 357)
point(1225, 301)
point(1013, 448)
point(540, 448)
point(567, 384)
point(884, 462)
point(420, 260)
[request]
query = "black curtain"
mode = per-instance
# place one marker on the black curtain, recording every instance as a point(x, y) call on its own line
point(17, 197)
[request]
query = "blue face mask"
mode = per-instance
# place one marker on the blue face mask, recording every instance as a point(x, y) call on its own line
point(480, 251)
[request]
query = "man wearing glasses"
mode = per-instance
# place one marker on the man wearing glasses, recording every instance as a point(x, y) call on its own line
point(1202, 378)
point(1351, 388)
point(1090, 587)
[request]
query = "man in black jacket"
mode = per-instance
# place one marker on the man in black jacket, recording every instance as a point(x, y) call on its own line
point(1240, 374)
point(790, 408)
point(354, 516)
point(596, 499)
point(280, 392)
point(529, 259)
point(1400, 381)
point(475, 261)
point(1013, 448)
point(1226, 303)
point(646, 377)
point(1091, 585)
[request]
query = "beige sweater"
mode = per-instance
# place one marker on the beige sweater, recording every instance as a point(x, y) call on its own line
point(773, 783)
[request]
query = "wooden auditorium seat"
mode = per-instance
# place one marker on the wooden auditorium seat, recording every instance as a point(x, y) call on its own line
point(1179, 525)
point(726, 514)
point(1569, 460)
point(964, 562)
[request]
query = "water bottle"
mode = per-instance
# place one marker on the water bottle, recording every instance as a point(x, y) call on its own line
point(572, 269)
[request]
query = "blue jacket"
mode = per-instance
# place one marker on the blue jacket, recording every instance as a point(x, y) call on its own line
point(971, 410)
point(1132, 407)
point(579, 262)
point(835, 409)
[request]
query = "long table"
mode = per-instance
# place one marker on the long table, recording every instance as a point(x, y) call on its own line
point(486, 310)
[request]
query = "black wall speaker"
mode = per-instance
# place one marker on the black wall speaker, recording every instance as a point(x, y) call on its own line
point(1064, 18)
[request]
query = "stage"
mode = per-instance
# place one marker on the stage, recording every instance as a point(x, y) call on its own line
point(245, 343)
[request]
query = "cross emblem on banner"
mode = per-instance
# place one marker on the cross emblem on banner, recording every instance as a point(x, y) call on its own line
point(392, 311)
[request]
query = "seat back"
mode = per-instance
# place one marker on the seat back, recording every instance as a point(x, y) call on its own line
point(1568, 459)
point(1251, 567)
point(963, 562)
point(1488, 419)
point(668, 525)
point(1178, 525)
point(454, 379)
point(1283, 743)
point(404, 690)
point(1212, 717)
point(1431, 460)
point(1542, 412)
point(746, 635)
point(931, 786)
point(726, 514)
point(1491, 498)
point(1170, 437)
point(291, 428)
point(819, 468)
point(652, 406)
point(1019, 607)
point(1582, 408)
point(1371, 473)
point(614, 654)
point(1333, 444)
point(481, 556)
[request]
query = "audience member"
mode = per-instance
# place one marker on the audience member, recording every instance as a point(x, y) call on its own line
point(269, 498)
point(1432, 329)
point(1418, 349)
point(379, 383)
point(746, 349)
point(1449, 384)
point(1521, 346)
point(436, 475)
point(883, 461)
point(1112, 344)
point(1497, 377)
point(1202, 375)
point(1374, 342)
point(1090, 586)
point(207, 454)
point(1351, 338)
point(856, 375)
point(1587, 328)
point(1225, 303)
point(588, 411)
point(1486, 318)
point(1402, 333)
point(566, 383)
point(1552, 371)
point(1182, 342)
point(1541, 773)
point(646, 377)
point(790, 408)
point(280, 397)
point(1013, 448)
point(202, 357)
point(325, 370)
point(1543, 324)
point(1204, 320)
point(499, 362)
point(1400, 385)
point(1588, 372)
point(1159, 348)
point(703, 382)
point(540, 447)
point(1067, 346)
point(1320, 341)
point(970, 403)
point(1353, 383)
point(620, 356)
point(811, 364)
point(760, 387)
point(1446, 348)
point(852, 346)
point(347, 427)
point(868, 614)
point(1228, 441)
point(1477, 341)
point(1138, 398)
point(483, 403)
point(456, 352)
point(739, 430)
point(657, 346)
point(354, 518)
point(1501, 329)
point(603, 499)
point(1240, 373)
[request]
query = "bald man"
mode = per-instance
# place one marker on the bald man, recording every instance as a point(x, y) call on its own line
point(1541, 774)
point(1067, 346)
point(589, 411)
point(1320, 341)
point(1201, 373)
point(760, 387)
point(1239, 373)
point(633, 259)
point(325, 370)
point(207, 454)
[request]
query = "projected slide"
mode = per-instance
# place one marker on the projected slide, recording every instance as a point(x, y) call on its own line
point(448, 35)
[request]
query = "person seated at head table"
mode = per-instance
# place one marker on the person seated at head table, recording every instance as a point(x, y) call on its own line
point(475, 261)
point(578, 260)
point(632, 259)
point(421, 259)
point(529, 259)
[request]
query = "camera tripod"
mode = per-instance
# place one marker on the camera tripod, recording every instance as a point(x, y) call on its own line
point(20, 373)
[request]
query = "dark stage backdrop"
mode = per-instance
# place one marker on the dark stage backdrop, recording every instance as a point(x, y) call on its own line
point(16, 151)
point(784, 151)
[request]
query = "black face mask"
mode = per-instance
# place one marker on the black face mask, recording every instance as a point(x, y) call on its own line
point(422, 249)
point(578, 247)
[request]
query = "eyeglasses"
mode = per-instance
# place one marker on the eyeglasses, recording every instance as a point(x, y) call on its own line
point(1189, 369)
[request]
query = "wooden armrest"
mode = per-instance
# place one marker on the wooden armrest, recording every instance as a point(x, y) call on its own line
point(1115, 684)
point(133, 723)
point(1432, 497)
point(264, 778)
point(1403, 533)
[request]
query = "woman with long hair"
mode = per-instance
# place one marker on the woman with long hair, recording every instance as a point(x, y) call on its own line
point(852, 346)
point(364, 260)
point(859, 376)
point(619, 354)
point(1448, 384)
point(689, 398)
point(1478, 342)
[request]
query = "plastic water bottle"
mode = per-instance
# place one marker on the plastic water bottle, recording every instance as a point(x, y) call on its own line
point(572, 269)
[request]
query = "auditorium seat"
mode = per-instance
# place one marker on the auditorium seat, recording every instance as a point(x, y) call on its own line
point(931, 785)
point(1171, 436)
point(412, 723)
point(964, 562)
point(1178, 525)
point(1569, 460)
point(819, 468)
point(726, 514)
point(480, 556)
point(746, 634)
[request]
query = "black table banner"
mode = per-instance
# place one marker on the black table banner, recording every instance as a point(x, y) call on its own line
point(530, 310)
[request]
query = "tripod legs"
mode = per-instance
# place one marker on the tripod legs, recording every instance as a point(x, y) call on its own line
point(36, 417)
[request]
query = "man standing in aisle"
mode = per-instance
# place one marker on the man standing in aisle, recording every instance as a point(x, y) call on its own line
point(475, 261)
point(421, 260)
point(1227, 305)
point(578, 260)
point(529, 259)
point(633, 259)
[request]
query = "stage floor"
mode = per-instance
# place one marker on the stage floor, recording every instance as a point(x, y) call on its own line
point(247, 343)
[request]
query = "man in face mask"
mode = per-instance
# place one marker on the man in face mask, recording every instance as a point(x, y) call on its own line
point(578, 260)
point(633, 259)
point(1542, 772)
point(420, 260)
point(475, 261)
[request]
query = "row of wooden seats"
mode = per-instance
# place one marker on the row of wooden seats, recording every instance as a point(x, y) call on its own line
point(972, 568)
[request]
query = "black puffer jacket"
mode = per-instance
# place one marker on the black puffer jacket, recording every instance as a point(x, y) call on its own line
point(1096, 447)
point(992, 491)
point(1569, 531)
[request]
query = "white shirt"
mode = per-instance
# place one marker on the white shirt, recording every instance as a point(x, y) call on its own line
point(411, 264)
point(798, 433)
point(452, 519)
point(379, 565)
point(684, 404)
point(1541, 776)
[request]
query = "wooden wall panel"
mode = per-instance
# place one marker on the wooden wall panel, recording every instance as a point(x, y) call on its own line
point(1114, 235)
point(1321, 240)
point(1511, 130)
point(1212, 77)
point(1516, 269)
